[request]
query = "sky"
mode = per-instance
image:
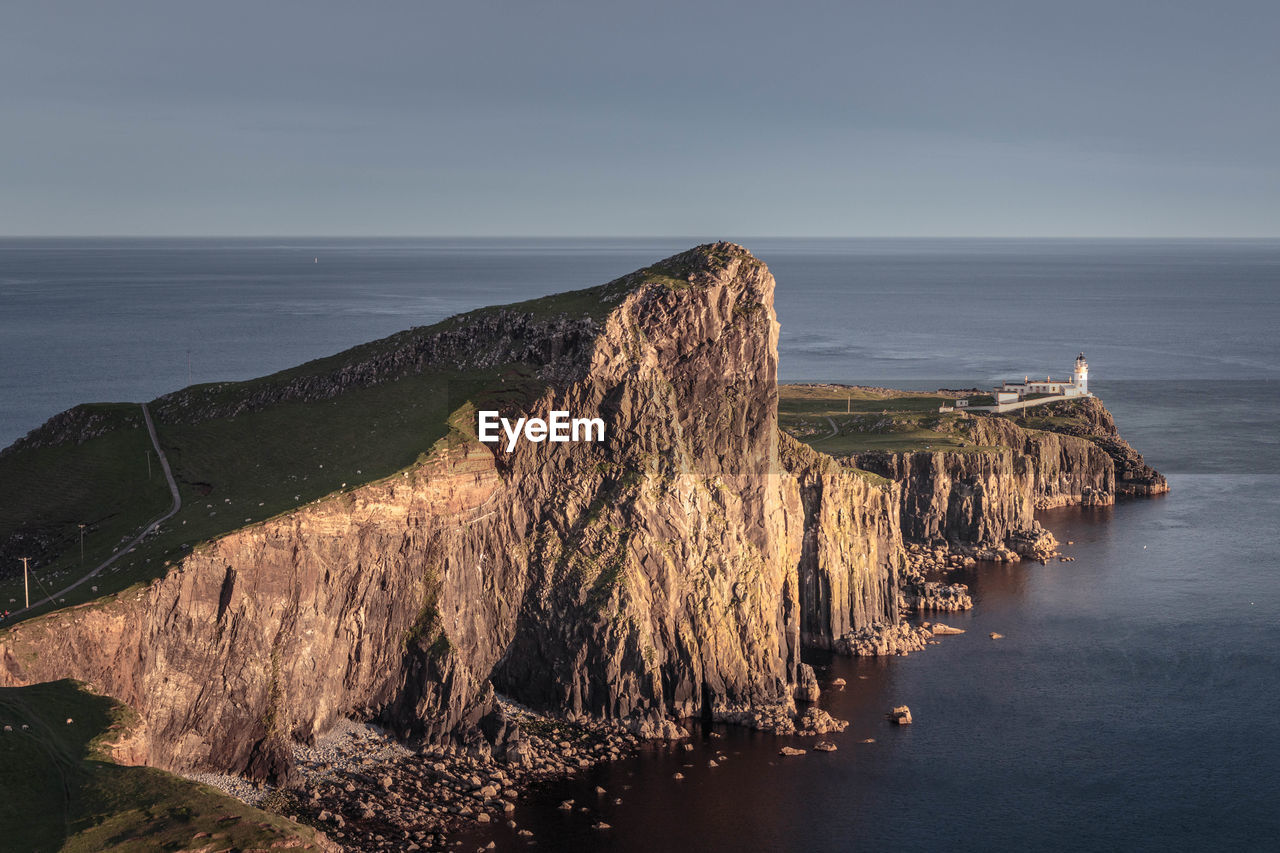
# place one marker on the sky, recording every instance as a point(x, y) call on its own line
point(533, 118)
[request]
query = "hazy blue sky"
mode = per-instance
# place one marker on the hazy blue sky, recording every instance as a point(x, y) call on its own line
point(645, 118)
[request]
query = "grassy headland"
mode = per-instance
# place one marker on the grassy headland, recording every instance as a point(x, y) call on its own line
point(243, 452)
point(843, 419)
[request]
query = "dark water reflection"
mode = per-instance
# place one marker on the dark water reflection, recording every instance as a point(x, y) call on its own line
point(1131, 706)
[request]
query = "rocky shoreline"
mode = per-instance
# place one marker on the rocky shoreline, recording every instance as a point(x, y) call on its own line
point(367, 791)
point(924, 587)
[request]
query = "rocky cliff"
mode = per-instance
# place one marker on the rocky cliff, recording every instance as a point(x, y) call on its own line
point(273, 632)
point(852, 547)
point(650, 576)
point(1088, 418)
point(983, 500)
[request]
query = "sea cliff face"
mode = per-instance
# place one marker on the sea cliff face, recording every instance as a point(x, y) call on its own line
point(973, 499)
point(852, 549)
point(651, 576)
point(273, 632)
point(984, 500)
point(662, 575)
point(1089, 419)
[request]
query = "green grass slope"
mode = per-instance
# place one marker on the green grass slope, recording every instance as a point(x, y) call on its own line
point(61, 790)
point(231, 472)
point(869, 419)
point(46, 493)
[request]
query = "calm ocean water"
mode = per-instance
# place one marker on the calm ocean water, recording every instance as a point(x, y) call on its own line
point(1132, 705)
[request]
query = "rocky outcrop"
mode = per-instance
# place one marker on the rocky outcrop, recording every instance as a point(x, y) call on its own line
point(807, 688)
point(943, 597)
point(76, 426)
point(650, 576)
point(983, 501)
point(922, 594)
point(883, 639)
point(1088, 418)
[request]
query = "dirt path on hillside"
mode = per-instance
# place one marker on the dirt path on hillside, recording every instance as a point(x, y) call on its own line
point(133, 543)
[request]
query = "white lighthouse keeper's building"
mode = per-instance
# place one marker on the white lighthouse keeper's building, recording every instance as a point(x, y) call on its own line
point(1076, 386)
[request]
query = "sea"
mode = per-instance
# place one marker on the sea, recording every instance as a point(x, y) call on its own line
point(1134, 702)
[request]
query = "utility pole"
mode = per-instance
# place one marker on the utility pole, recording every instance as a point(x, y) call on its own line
point(848, 404)
point(82, 544)
point(26, 585)
point(148, 464)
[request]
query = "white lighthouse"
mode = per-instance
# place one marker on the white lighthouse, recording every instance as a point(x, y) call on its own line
point(1080, 376)
point(1029, 392)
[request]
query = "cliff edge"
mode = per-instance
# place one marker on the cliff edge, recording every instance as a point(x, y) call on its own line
point(647, 577)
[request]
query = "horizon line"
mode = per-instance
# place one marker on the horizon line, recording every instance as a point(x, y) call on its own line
point(319, 236)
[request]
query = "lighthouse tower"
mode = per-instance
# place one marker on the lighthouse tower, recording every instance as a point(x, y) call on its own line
point(1080, 376)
